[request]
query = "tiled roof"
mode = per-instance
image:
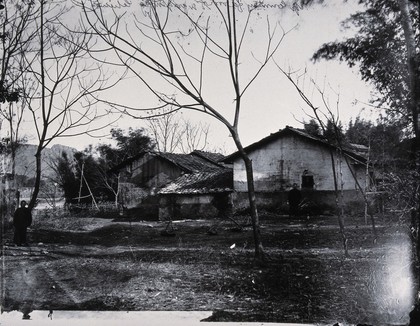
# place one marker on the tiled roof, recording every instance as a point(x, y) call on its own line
point(214, 157)
point(189, 163)
point(287, 131)
point(201, 183)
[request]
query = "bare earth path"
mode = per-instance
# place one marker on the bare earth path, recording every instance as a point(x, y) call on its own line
point(100, 264)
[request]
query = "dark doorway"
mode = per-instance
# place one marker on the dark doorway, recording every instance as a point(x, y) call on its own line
point(308, 181)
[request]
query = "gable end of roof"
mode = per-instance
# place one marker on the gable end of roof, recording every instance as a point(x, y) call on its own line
point(291, 131)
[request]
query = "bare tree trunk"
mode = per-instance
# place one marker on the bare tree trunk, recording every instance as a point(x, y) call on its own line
point(258, 247)
point(56, 108)
point(333, 167)
point(13, 147)
point(38, 154)
point(372, 217)
point(339, 205)
point(117, 192)
point(37, 184)
point(339, 145)
point(14, 189)
point(414, 76)
point(367, 182)
point(174, 71)
point(259, 252)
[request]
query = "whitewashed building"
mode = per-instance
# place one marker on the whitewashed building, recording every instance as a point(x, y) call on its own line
point(293, 156)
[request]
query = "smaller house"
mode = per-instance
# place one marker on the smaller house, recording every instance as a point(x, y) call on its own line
point(152, 170)
point(197, 195)
point(143, 176)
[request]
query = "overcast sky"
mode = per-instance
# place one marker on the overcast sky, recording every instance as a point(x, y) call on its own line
point(272, 102)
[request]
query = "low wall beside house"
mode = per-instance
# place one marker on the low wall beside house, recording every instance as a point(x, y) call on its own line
point(318, 201)
point(176, 207)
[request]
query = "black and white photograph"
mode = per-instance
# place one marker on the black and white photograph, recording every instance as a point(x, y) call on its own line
point(200, 162)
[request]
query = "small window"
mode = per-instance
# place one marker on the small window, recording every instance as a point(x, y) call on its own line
point(308, 181)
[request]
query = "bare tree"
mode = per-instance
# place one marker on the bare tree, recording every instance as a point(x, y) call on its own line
point(61, 82)
point(173, 133)
point(194, 136)
point(166, 132)
point(394, 71)
point(157, 46)
point(112, 184)
point(13, 115)
point(332, 118)
point(15, 41)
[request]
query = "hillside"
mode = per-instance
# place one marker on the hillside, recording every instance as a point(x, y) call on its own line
point(25, 159)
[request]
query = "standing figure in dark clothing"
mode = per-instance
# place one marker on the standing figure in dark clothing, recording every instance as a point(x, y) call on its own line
point(21, 220)
point(294, 198)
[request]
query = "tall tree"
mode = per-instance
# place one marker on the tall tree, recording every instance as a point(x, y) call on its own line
point(128, 143)
point(89, 177)
point(384, 138)
point(387, 53)
point(15, 40)
point(84, 177)
point(62, 82)
point(359, 131)
point(65, 176)
point(379, 50)
point(220, 33)
point(333, 131)
point(312, 127)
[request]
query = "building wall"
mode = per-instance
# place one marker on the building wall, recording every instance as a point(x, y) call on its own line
point(283, 162)
point(152, 172)
point(316, 201)
point(143, 178)
point(130, 196)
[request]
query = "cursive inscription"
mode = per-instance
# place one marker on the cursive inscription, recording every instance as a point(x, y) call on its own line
point(114, 4)
point(203, 5)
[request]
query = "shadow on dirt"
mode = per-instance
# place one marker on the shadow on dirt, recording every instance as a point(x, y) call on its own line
point(131, 266)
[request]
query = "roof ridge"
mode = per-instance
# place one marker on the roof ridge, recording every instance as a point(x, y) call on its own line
point(299, 132)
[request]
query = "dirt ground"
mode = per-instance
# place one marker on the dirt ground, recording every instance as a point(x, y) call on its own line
point(87, 263)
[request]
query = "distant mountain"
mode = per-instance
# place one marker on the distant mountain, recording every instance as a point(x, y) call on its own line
point(25, 159)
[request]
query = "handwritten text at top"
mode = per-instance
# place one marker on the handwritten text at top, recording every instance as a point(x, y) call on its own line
point(201, 5)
